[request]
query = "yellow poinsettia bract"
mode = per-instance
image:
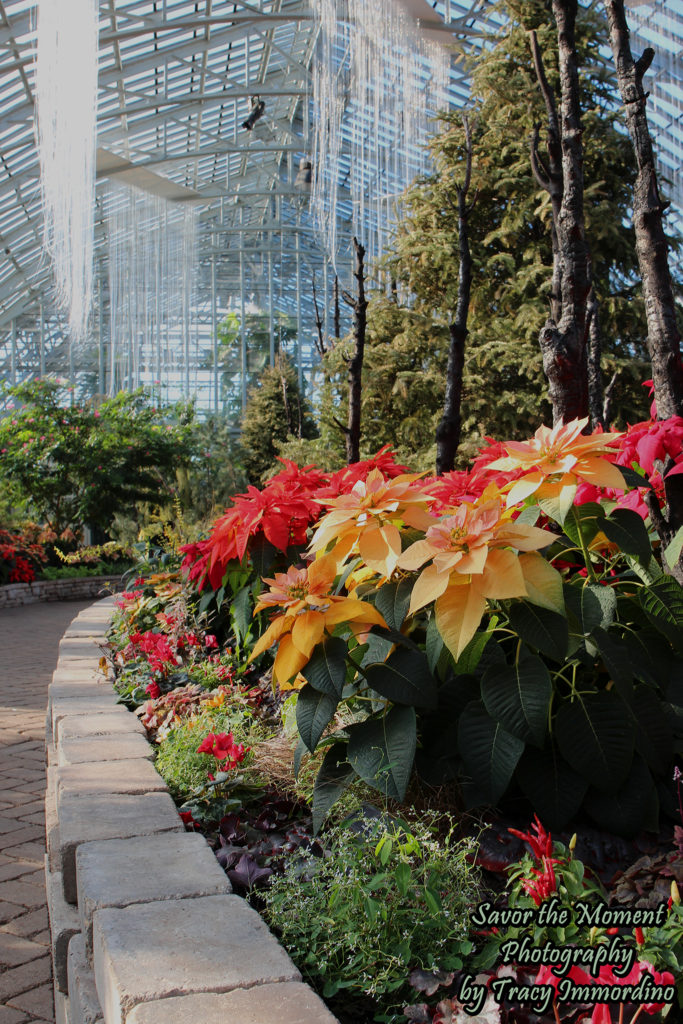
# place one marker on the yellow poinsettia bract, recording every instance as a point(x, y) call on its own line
point(367, 520)
point(556, 458)
point(473, 556)
point(309, 610)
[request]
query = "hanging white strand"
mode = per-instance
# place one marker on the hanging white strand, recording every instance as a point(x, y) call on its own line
point(66, 114)
point(377, 84)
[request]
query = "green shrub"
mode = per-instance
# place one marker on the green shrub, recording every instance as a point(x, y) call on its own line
point(385, 898)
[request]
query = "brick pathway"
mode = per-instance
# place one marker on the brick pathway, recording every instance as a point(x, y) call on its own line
point(29, 638)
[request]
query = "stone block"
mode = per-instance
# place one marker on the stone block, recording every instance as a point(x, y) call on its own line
point(51, 821)
point(94, 702)
point(84, 819)
point(122, 872)
point(84, 1003)
point(287, 1003)
point(101, 777)
point(82, 685)
point(64, 924)
point(61, 1007)
point(120, 723)
point(64, 674)
point(78, 647)
point(105, 748)
point(181, 947)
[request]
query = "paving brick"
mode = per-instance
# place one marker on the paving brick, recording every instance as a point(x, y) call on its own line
point(115, 722)
point(31, 924)
point(64, 924)
point(30, 851)
point(105, 748)
point(137, 776)
point(84, 1003)
point(14, 868)
point(26, 834)
point(37, 1001)
point(15, 950)
point(22, 979)
point(176, 947)
point(286, 1003)
point(84, 819)
point(27, 894)
point(8, 911)
point(122, 872)
point(10, 1016)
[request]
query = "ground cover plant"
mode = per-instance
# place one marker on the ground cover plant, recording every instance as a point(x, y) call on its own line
point(506, 637)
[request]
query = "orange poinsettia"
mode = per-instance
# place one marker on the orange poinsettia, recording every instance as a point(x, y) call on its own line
point(474, 554)
point(369, 517)
point(556, 459)
point(309, 609)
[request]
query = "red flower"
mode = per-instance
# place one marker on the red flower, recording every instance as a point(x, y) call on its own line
point(210, 641)
point(541, 842)
point(542, 883)
point(152, 689)
point(223, 748)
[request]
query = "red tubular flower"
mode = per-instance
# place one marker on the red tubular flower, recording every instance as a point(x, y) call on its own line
point(542, 883)
point(541, 842)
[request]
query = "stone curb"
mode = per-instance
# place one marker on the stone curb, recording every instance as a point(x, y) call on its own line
point(143, 922)
point(15, 595)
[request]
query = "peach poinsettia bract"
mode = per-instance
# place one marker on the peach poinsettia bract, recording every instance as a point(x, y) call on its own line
point(557, 458)
point(369, 516)
point(309, 609)
point(474, 554)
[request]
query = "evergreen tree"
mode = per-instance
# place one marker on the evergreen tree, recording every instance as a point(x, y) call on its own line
point(510, 227)
point(276, 411)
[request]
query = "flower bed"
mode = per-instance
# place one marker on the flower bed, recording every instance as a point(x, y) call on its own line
point(351, 661)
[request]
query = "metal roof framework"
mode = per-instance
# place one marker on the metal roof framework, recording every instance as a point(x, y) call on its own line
point(177, 80)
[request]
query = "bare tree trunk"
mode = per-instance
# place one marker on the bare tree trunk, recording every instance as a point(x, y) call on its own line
point(563, 341)
point(320, 339)
point(595, 396)
point(355, 368)
point(663, 338)
point(448, 430)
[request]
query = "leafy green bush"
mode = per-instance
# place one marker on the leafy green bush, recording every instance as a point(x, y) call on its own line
point(384, 899)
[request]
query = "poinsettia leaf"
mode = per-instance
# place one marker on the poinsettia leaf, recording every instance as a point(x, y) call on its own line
point(404, 678)
point(591, 605)
point(634, 807)
point(672, 552)
point(326, 669)
point(662, 602)
point(434, 644)
point(314, 712)
point(595, 735)
point(262, 554)
point(382, 750)
point(616, 660)
point(584, 522)
point(653, 731)
point(626, 528)
point(559, 507)
point(240, 612)
point(554, 789)
point(547, 631)
point(334, 776)
point(393, 600)
point(490, 754)
point(518, 696)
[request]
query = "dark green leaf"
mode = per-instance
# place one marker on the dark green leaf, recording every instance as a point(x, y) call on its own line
point(489, 752)
point(614, 654)
point(529, 515)
point(326, 671)
point(381, 750)
point(558, 508)
point(314, 712)
point(473, 654)
point(626, 528)
point(633, 478)
point(333, 778)
point(554, 789)
point(584, 521)
point(591, 604)
point(240, 610)
point(595, 735)
point(653, 732)
point(392, 602)
point(662, 602)
point(434, 644)
point(518, 696)
point(377, 648)
point(672, 552)
point(630, 810)
point(262, 554)
point(404, 679)
point(547, 631)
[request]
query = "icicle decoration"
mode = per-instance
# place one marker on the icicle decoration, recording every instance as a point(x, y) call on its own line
point(66, 112)
point(152, 250)
point(377, 83)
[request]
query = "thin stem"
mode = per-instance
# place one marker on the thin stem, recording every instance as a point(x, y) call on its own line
point(636, 1015)
point(556, 1012)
